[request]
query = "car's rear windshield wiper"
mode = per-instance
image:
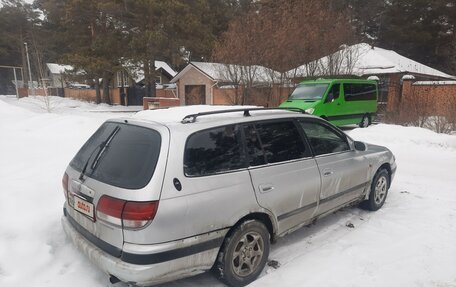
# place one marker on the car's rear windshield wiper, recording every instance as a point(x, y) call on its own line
point(81, 176)
point(101, 149)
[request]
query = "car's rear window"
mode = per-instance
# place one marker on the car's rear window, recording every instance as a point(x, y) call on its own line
point(120, 154)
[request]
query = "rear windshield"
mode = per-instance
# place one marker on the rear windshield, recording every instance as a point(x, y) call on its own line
point(309, 92)
point(119, 154)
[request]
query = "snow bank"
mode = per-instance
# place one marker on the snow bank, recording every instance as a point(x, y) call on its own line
point(411, 137)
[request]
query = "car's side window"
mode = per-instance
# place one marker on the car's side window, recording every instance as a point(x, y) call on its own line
point(322, 139)
point(281, 141)
point(214, 151)
point(253, 146)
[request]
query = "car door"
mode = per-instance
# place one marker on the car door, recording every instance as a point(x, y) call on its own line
point(332, 104)
point(344, 171)
point(284, 176)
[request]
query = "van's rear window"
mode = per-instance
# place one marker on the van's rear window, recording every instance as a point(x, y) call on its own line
point(119, 154)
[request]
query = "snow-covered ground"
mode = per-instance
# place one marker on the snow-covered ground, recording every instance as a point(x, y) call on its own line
point(411, 241)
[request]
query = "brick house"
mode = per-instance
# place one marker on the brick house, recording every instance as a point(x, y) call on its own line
point(364, 60)
point(223, 84)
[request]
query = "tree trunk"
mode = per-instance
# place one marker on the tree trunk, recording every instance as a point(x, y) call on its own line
point(149, 79)
point(97, 91)
point(146, 68)
point(106, 80)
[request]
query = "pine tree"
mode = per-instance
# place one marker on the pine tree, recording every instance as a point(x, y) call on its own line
point(17, 22)
point(92, 30)
point(158, 29)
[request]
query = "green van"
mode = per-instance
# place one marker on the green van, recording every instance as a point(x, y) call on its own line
point(340, 101)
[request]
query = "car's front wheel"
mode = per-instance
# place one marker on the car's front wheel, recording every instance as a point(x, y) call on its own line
point(243, 254)
point(379, 191)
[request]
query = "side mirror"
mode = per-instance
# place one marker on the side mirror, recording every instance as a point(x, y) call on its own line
point(360, 146)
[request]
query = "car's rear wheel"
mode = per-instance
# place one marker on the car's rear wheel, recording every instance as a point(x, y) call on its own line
point(243, 254)
point(379, 191)
point(365, 121)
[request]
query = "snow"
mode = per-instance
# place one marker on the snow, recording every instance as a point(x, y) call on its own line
point(434, 83)
point(231, 73)
point(137, 73)
point(408, 77)
point(409, 242)
point(368, 60)
point(166, 67)
point(58, 69)
point(373, 78)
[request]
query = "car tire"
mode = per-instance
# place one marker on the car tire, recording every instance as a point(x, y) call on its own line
point(244, 254)
point(379, 191)
point(365, 121)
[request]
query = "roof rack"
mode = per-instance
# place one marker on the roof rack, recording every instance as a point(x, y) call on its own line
point(192, 118)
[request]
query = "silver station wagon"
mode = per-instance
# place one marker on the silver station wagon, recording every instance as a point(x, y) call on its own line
point(172, 193)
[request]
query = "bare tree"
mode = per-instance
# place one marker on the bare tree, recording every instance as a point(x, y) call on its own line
point(282, 35)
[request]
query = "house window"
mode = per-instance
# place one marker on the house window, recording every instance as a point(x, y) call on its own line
point(158, 80)
point(122, 79)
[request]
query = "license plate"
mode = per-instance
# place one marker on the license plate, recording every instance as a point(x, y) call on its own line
point(83, 206)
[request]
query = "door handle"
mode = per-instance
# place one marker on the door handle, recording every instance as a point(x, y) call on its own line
point(266, 188)
point(328, 173)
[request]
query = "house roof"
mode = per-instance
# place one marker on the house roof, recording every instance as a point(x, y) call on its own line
point(58, 69)
point(224, 72)
point(369, 60)
point(166, 67)
point(137, 73)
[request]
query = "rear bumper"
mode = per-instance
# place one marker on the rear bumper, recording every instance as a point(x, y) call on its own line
point(175, 260)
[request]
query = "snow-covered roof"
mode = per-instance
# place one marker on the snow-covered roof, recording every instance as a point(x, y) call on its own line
point(434, 83)
point(230, 73)
point(137, 73)
point(166, 67)
point(364, 59)
point(58, 69)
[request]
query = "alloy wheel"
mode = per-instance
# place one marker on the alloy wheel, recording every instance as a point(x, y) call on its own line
point(247, 254)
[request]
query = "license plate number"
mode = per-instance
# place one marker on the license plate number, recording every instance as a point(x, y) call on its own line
point(83, 206)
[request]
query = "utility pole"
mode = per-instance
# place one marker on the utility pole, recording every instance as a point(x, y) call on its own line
point(29, 69)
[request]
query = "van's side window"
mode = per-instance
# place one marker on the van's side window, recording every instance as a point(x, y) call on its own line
point(213, 151)
point(360, 92)
point(324, 140)
point(281, 141)
point(333, 93)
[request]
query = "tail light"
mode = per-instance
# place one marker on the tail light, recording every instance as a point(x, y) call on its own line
point(65, 185)
point(127, 214)
point(110, 209)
